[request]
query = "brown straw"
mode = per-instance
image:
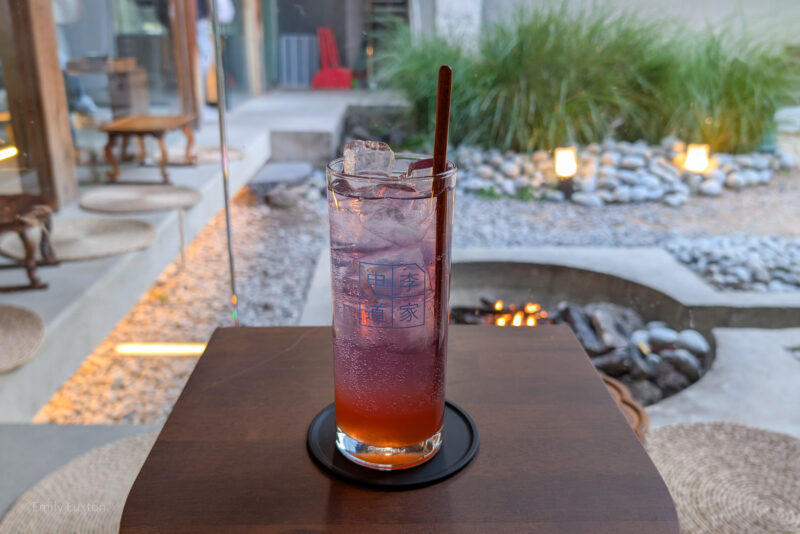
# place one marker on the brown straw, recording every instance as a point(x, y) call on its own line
point(440, 185)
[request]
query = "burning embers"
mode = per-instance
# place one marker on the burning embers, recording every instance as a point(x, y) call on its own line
point(499, 314)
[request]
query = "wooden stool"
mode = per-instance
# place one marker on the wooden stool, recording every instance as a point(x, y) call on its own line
point(21, 213)
point(141, 125)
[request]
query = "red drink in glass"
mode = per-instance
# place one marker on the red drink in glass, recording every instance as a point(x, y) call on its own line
point(389, 319)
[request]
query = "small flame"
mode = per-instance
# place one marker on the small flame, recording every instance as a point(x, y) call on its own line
point(517, 319)
point(532, 307)
point(498, 305)
point(543, 314)
point(501, 321)
point(531, 321)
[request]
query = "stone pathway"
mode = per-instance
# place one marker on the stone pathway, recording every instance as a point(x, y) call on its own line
point(754, 380)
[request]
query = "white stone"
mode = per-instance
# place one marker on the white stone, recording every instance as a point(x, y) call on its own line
point(495, 159)
point(540, 156)
point(484, 171)
point(711, 188)
point(473, 184)
point(736, 180)
point(606, 195)
point(717, 175)
point(627, 176)
point(638, 193)
point(510, 169)
point(593, 148)
point(675, 200)
point(509, 188)
point(611, 159)
point(587, 199)
point(607, 170)
point(589, 184)
point(633, 161)
point(648, 180)
point(660, 336)
point(622, 194)
point(760, 162)
point(787, 160)
point(609, 183)
point(528, 168)
point(554, 195)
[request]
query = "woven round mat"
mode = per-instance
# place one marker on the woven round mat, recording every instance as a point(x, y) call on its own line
point(21, 333)
point(85, 495)
point(89, 238)
point(205, 154)
point(728, 478)
point(139, 198)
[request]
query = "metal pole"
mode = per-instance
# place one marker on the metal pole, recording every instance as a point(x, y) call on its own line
point(182, 241)
point(223, 140)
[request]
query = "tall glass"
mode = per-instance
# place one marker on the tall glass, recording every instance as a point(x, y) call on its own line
point(390, 311)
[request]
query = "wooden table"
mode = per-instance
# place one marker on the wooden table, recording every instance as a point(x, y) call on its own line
point(21, 213)
point(141, 125)
point(556, 455)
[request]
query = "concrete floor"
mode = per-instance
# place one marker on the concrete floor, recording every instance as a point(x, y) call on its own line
point(30, 452)
point(754, 381)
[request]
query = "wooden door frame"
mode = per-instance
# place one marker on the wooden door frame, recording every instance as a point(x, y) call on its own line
point(37, 98)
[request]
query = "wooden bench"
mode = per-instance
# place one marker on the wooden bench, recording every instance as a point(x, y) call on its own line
point(140, 126)
point(21, 213)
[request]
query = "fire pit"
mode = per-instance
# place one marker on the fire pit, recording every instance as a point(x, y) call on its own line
point(653, 360)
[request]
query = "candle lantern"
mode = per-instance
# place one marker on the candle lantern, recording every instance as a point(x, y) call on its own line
point(697, 158)
point(566, 166)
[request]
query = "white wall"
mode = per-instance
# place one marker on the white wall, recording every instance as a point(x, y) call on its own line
point(460, 18)
point(774, 20)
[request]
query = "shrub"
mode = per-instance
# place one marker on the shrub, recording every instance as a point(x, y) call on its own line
point(725, 93)
point(552, 76)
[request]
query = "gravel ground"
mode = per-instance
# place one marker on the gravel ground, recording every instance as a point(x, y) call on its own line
point(768, 210)
point(276, 250)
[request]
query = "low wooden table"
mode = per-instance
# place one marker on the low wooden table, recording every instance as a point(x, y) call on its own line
point(21, 213)
point(556, 455)
point(141, 125)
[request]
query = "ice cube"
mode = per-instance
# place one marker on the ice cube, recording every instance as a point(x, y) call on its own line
point(368, 158)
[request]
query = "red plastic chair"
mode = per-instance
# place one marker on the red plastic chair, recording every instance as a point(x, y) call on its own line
point(331, 75)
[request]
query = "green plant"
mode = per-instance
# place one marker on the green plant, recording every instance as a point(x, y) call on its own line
point(489, 192)
point(411, 67)
point(726, 93)
point(552, 76)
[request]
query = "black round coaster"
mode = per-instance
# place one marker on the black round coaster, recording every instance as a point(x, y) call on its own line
point(459, 445)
